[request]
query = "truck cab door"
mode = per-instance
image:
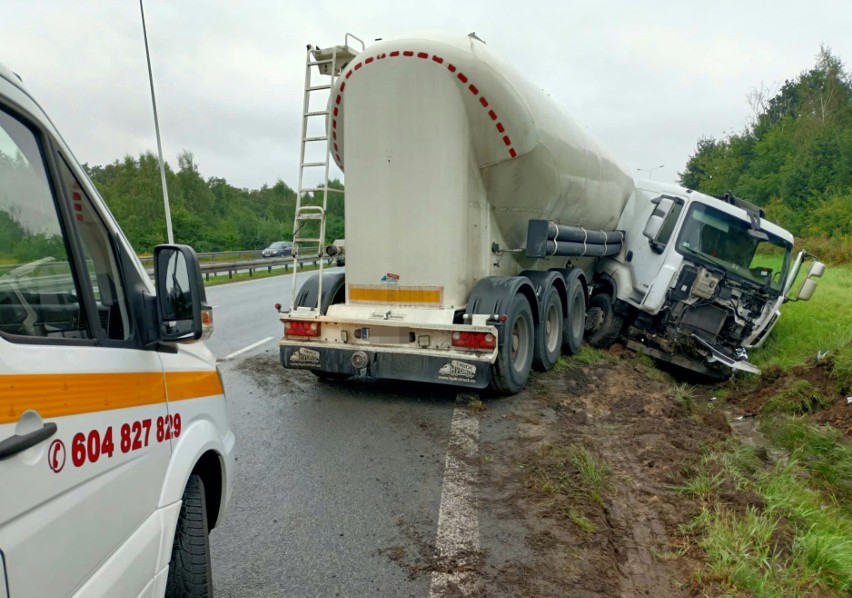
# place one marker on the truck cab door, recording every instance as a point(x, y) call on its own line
point(80, 462)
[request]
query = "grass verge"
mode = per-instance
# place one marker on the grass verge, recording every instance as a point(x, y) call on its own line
point(776, 530)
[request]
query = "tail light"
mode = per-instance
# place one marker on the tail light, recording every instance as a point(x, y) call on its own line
point(297, 328)
point(474, 340)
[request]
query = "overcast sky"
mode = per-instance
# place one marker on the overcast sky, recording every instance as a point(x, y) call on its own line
point(646, 78)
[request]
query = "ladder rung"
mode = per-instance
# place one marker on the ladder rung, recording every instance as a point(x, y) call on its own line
point(305, 164)
point(320, 138)
point(309, 217)
point(317, 113)
point(319, 87)
point(306, 241)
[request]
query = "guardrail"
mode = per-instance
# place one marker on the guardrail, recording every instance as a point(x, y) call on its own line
point(236, 261)
point(221, 262)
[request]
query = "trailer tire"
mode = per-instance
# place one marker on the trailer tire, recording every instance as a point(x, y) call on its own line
point(510, 372)
point(190, 574)
point(575, 320)
point(548, 333)
point(605, 323)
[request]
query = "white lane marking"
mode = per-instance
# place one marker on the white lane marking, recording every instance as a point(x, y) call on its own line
point(457, 541)
point(249, 348)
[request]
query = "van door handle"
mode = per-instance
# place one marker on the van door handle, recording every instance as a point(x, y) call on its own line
point(17, 443)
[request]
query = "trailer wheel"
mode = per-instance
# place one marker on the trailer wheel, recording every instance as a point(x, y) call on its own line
point(548, 333)
point(190, 574)
point(510, 372)
point(605, 324)
point(575, 322)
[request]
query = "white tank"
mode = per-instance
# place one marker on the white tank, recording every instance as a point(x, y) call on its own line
point(446, 150)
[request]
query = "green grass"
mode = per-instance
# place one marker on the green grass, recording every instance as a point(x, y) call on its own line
point(799, 540)
point(842, 368)
point(807, 327)
point(684, 394)
point(797, 397)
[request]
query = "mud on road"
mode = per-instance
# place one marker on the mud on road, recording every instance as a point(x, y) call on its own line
point(587, 492)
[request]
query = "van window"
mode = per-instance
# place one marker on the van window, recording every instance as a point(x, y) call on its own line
point(39, 295)
point(103, 270)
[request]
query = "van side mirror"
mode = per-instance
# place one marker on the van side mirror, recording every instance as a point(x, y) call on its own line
point(180, 292)
point(806, 291)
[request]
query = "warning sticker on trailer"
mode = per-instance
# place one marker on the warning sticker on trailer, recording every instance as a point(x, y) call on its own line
point(305, 358)
point(457, 371)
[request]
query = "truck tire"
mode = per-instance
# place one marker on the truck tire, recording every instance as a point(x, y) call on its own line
point(510, 372)
point(605, 323)
point(548, 333)
point(575, 321)
point(190, 574)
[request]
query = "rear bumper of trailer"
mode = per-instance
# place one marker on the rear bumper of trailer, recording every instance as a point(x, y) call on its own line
point(377, 362)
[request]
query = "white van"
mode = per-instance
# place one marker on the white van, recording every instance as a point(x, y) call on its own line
point(116, 454)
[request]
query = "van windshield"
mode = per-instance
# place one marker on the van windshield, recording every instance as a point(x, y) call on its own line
point(722, 240)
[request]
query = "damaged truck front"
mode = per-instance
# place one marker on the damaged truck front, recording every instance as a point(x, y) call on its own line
point(722, 272)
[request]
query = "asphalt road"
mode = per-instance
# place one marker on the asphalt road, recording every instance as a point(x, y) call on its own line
point(338, 487)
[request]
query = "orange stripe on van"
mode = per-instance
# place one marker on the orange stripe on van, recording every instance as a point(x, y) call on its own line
point(402, 295)
point(58, 395)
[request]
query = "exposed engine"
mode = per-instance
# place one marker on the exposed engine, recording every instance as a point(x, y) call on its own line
point(707, 317)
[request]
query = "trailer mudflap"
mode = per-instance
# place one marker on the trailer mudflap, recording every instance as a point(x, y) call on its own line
point(451, 369)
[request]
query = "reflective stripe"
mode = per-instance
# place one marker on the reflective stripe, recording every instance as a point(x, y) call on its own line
point(58, 395)
point(403, 295)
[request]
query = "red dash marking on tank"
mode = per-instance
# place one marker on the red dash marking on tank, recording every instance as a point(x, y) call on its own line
point(462, 77)
point(369, 60)
point(513, 153)
point(492, 114)
point(335, 147)
point(349, 74)
point(394, 54)
point(336, 109)
point(422, 55)
point(408, 53)
point(501, 128)
point(452, 68)
point(79, 217)
point(334, 134)
point(342, 86)
point(337, 100)
point(484, 102)
point(337, 156)
point(473, 89)
point(438, 59)
point(357, 66)
point(506, 140)
point(334, 124)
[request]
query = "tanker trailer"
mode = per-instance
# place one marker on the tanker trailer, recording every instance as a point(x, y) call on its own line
point(481, 223)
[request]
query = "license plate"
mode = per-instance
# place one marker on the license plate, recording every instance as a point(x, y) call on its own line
point(385, 335)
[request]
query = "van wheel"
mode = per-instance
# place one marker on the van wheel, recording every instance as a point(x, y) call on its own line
point(190, 574)
point(605, 325)
point(575, 322)
point(510, 372)
point(548, 333)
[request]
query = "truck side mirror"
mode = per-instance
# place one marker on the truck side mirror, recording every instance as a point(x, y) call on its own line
point(817, 269)
point(180, 292)
point(656, 220)
point(806, 291)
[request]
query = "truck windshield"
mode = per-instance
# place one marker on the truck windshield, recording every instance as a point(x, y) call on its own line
point(723, 240)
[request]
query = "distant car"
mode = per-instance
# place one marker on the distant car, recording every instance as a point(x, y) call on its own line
point(278, 249)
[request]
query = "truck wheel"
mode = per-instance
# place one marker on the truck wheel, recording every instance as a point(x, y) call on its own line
point(190, 574)
point(575, 322)
point(548, 333)
point(510, 372)
point(605, 325)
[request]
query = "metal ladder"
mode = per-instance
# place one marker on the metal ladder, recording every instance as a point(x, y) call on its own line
point(312, 201)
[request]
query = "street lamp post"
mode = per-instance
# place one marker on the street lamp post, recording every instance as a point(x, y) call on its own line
point(650, 171)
